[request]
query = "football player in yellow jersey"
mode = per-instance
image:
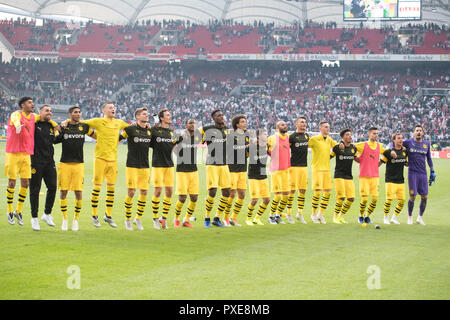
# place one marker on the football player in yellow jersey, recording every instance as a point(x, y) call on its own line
point(105, 162)
point(321, 146)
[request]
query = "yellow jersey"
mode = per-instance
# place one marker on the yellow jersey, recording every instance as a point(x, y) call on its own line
point(107, 136)
point(321, 150)
point(15, 118)
point(372, 145)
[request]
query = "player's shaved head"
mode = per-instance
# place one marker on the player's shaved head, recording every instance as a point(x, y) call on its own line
point(281, 126)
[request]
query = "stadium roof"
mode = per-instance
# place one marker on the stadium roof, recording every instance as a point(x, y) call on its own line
point(199, 11)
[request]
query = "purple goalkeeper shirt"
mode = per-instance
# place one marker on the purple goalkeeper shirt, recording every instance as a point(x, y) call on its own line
point(417, 153)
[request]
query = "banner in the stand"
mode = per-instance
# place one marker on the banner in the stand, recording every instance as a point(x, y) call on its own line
point(235, 57)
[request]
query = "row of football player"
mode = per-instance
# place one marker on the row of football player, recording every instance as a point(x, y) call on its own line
point(31, 150)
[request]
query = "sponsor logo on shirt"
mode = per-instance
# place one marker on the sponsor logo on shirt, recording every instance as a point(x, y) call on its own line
point(215, 140)
point(301, 144)
point(141, 140)
point(73, 136)
point(346, 157)
point(159, 140)
point(398, 160)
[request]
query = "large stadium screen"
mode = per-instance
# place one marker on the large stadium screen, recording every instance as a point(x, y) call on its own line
point(382, 10)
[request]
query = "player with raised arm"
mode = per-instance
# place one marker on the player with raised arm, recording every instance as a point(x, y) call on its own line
point(419, 154)
point(105, 161)
point(395, 181)
point(187, 173)
point(321, 146)
point(71, 165)
point(237, 153)
point(137, 166)
point(257, 178)
point(298, 173)
point(279, 152)
point(217, 171)
point(343, 177)
point(19, 148)
point(162, 175)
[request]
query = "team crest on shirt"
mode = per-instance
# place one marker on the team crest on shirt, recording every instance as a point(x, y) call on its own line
point(424, 146)
point(412, 191)
point(148, 132)
point(33, 171)
point(80, 128)
point(404, 154)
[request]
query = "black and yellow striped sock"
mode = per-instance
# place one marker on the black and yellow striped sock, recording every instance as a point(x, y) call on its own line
point(290, 203)
point(109, 200)
point(315, 201)
point(22, 196)
point(78, 204)
point(338, 207)
point(10, 199)
point(155, 206)
point(190, 210)
point(262, 208)
point(372, 206)
point(399, 207)
point(282, 205)
point(167, 203)
point(275, 201)
point(387, 207)
point(346, 206)
point(301, 202)
point(226, 213)
point(142, 200)
point(222, 206)
point(178, 207)
point(63, 205)
point(363, 205)
point(250, 210)
point(128, 207)
point(237, 207)
point(325, 200)
point(209, 203)
point(94, 200)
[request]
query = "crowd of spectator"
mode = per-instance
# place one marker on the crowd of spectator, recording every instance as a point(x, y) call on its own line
point(389, 99)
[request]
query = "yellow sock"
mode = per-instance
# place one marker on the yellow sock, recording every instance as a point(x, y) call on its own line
point(338, 207)
point(290, 203)
point(300, 202)
point(324, 202)
point(222, 205)
point(372, 206)
point(346, 206)
point(94, 200)
point(363, 205)
point(237, 207)
point(282, 205)
point(315, 201)
point(155, 206)
point(178, 207)
point(275, 201)
point(109, 200)
point(128, 207)
point(226, 213)
point(22, 196)
point(167, 202)
point(261, 210)
point(399, 207)
point(387, 206)
point(190, 210)
point(10, 199)
point(63, 204)
point(78, 204)
point(141, 205)
point(209, 206)
point(250, 208)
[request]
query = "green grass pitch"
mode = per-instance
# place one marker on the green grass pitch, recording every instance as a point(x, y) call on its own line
point(259, 262)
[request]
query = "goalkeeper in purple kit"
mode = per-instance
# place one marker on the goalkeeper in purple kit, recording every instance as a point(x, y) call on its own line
point(418, 154)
